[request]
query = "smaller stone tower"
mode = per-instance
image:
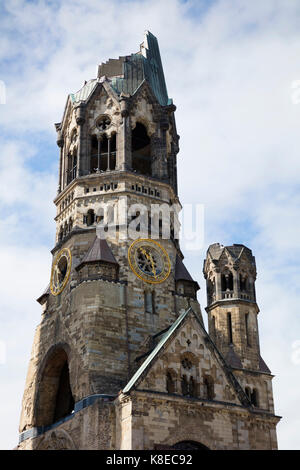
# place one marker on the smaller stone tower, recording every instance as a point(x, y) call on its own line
point(230, 273)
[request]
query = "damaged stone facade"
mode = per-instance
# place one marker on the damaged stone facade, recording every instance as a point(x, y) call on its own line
point(109, 368)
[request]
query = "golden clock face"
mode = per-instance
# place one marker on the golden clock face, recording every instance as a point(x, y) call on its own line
point(149, 260)
point(60, 273)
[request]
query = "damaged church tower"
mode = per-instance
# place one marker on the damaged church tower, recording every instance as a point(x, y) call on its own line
point(121, 358)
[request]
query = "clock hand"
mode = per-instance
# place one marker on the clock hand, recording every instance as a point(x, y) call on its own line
point(149, 258)
point(152, 265)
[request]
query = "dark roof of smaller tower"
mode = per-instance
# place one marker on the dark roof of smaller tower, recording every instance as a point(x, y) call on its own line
point(99, 251)
point(181, 273)
point(233, 359)
point(216, 249)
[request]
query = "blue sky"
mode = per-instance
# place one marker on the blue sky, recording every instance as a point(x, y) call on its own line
point(229, 67)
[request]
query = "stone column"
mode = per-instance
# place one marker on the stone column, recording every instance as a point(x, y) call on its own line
point(63, 169)
point(164, 126)
point(218, 286)
point(123, 156)
point(99, 155)
point(108, 154)
point(80, 119)
point(159, 152)
point(236, 292)
point(60, 143)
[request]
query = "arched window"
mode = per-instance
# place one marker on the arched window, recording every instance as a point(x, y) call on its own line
point(184, 386)
point(248, 392)
point(170, 383)
point(113, 152)
point(208, 388)
point(54, 399)
point(141, 150)
point(210, 287)
point(94, 154)
point(90, 219)
point(227, 281)
point(243, 283)
point(254, 397)
point(103, 153)
point(189, 374)
point(72, 166)
point(192, 387)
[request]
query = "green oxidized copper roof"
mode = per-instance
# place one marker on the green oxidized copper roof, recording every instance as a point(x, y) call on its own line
point(84, 92)
point(155, 351)
point(145, 65)
point(127, 73)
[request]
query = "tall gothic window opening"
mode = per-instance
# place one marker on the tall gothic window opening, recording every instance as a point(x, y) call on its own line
point(209, 388)
point(103, 153)
point(141, 150)
point(210, 287)
point(72, 166)
point(113, 152)
point(189, 385)
point(170, 385)
point(94, 154)
point(184, 386)
point(90, 218)
point(248, 392)
point(64, 403)
point(243, 283)
point(227, 281)
point(54, 399)
point(192, 387)
point(254, 397)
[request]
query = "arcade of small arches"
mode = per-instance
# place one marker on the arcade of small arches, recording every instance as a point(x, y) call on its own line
point(66, 201)
point(65, 229)
point(229, 284)
point(90, 218)
point(187, 382)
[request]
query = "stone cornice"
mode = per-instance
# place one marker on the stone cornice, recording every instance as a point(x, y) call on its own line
point(225, 303)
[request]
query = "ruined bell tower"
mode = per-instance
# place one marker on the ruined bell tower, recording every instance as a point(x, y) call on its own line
point(121, 358)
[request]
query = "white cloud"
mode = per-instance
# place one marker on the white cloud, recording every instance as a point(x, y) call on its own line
point(230, 73)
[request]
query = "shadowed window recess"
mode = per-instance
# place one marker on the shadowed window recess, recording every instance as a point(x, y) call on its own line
point(141, 150)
